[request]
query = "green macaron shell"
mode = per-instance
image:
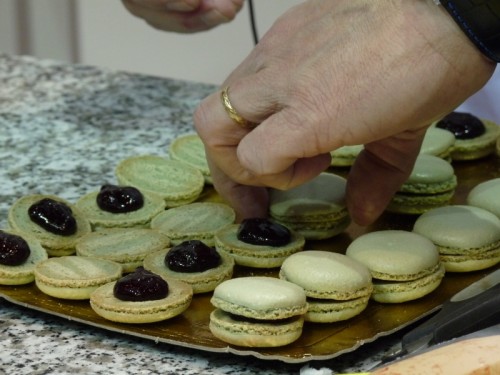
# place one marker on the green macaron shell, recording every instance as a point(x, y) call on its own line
point(126, 246)
point(189, 149)
point(194, 221)
point(475, 148)
point(176, 182)
point(260, 297)
point(486, 195)
point(153, 205)
point(395, 255)
point(438, 142)
point(258, 256)
point(55, 244)
point(24, 272)
point(327, 275)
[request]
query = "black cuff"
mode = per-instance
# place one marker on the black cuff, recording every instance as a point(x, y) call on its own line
point(480, 20)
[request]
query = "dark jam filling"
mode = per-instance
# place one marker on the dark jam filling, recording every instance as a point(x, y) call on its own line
point(263, 232)
point(192, 256)
point(119, 199)
point(141, 285)
point(53, 216)
point(462, 125)
point(14, 250)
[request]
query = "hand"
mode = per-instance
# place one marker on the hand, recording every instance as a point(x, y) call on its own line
point(334, 73)
point(184, 16)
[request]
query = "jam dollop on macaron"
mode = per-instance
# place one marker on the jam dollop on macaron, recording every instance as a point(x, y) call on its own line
point(14, 250)
point(140, 285)
point(259, 231)
point(53, 216)
point(192, 256)
point(119, 199)
point(462, 125)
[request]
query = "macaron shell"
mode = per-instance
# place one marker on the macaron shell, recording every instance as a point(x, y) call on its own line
point(257, 256)
point(74, 277)
point(459, 229)
point(194, 221)
point(56, 245)
point(201, 282)
point(189, 149)
point(127, 247)
point(23, 273)
point(255, 334)
point(260, 297)
point(486, 195)
point(345, 155)
point(438, 142)
point(395, 254)
point(105, 304)
point(99, 218)
point(324, 274)
point(176, 182)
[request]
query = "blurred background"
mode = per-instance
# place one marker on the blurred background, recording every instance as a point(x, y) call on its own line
point(103, 33)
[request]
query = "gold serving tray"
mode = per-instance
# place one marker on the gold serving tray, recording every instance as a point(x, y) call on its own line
point(318, 341)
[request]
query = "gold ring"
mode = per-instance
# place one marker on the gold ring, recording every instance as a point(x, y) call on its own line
point(232, 112)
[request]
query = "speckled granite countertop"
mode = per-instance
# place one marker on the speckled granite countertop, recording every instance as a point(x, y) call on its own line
point(62, 130)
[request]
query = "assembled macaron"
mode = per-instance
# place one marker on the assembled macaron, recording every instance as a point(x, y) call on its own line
point(316, 209)
point(404, 265)
point(438, 142)
point(337, 287)
point(258, 311)
point(431, 184)
point(467, 237)
point(189, 149)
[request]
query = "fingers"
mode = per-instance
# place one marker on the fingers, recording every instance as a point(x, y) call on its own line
point(247, 201)
point(263, 160)
point(185, 16)
point(380, 169)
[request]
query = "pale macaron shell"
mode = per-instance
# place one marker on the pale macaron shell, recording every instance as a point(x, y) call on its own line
point(176, 182)
point(194, 221)
point(189, 149)
point(23, 273)
point(74, 277)
point(105, 304)
point(327, 275)
point(438, 142)
point(99, 218)
point(260, 297)
point(395, 254)
point(127, 247)
point(486, 195)
point(459, 228)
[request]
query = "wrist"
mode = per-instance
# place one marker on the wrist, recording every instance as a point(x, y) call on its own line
point(480, 21)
